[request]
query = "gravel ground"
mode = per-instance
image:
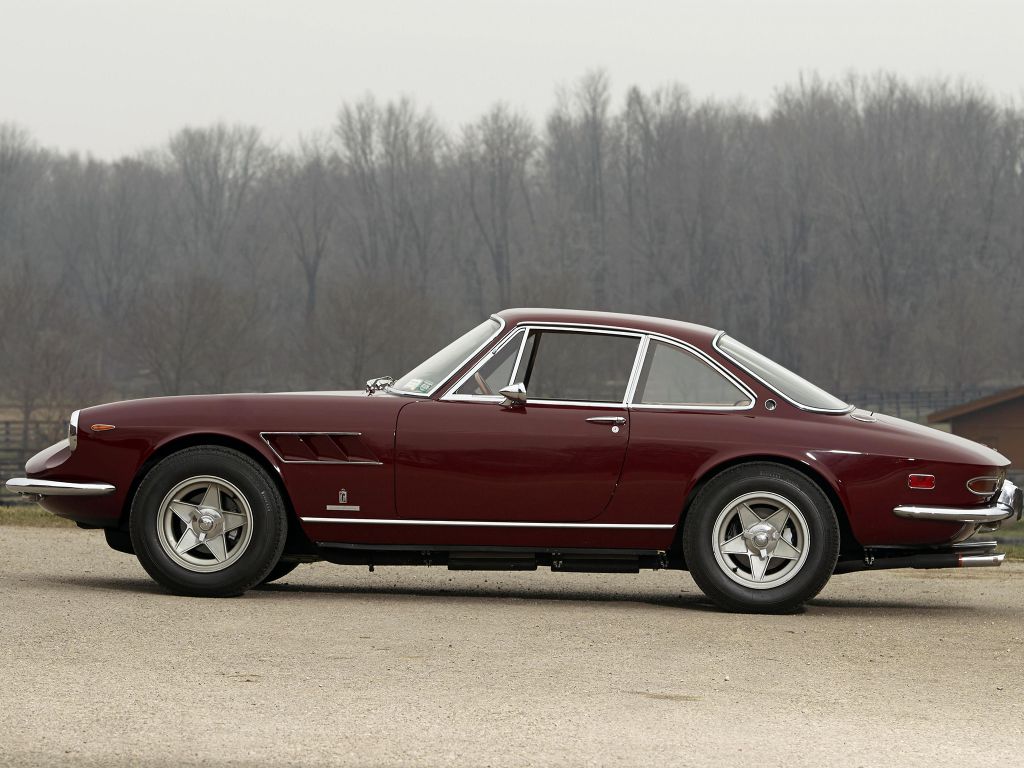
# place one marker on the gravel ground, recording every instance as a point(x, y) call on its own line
point(417, 666)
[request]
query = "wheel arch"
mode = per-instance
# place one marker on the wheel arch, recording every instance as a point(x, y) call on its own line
point(848, 543)
point(297, 540)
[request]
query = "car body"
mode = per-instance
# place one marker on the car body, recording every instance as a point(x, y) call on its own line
point(579, 440)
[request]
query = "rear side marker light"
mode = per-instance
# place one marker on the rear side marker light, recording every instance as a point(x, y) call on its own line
point(921, 482)
point(984, 486)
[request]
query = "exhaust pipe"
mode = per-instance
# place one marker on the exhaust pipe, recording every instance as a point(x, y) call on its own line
point(981, 561)
point(921, 561)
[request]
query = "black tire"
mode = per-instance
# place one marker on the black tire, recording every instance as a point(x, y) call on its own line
point(269, 525)
point(279, 571)
point(712, 503)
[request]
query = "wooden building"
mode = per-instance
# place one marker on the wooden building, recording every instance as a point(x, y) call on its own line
point(996, 421)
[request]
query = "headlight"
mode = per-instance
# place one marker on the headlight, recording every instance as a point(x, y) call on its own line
point(73, 430)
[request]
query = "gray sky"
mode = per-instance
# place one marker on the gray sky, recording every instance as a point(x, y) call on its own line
point(112, 77)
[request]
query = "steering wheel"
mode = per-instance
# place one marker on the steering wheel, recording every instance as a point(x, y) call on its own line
point(481, 384)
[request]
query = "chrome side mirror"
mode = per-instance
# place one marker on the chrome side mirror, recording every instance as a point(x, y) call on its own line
point(381, 382)
point(514, 394)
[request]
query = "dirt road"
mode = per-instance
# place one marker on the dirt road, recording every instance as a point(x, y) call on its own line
point(420, 666)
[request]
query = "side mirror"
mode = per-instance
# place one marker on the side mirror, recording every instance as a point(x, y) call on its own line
point(379, 383)
point(515, 395)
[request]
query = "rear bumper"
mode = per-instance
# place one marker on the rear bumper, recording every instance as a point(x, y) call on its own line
point(1008, 506)
point(40, 488)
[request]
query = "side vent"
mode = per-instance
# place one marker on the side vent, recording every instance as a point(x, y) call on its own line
point(319, 447)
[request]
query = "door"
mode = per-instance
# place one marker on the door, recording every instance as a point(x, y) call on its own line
point(555, 459)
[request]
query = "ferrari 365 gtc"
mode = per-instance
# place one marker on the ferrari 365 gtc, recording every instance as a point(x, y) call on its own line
point(582, 441)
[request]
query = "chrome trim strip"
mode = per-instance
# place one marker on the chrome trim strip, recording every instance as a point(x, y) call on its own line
point(485, 524)
point(727, 356)
point(32, 487)
point(342, 507)
point(638, 366)
point(365, 463)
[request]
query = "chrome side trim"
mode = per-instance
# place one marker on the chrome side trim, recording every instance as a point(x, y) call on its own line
point(364, 463)
point(32, 487)
point(723, 353)
point(342, 507)
point(486, 524)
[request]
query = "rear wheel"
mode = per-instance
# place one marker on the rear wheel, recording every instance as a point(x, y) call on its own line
point(208, 521)
point(761, 537)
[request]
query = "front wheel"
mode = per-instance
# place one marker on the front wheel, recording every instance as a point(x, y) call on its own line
point(761, 538)
point(208, 522)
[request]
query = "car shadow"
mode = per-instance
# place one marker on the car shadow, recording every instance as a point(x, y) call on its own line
point(690, 601)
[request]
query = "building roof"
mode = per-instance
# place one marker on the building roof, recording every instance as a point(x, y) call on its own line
point(976, 405)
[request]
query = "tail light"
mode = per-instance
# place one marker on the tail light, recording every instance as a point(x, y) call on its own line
point(984, 486)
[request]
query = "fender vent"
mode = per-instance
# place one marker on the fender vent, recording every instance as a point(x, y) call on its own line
point(319, 447)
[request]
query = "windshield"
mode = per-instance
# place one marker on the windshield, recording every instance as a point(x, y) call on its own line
point(792, 387)
point(424, 378)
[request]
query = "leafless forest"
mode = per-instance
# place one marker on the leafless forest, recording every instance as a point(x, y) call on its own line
point(867, 232)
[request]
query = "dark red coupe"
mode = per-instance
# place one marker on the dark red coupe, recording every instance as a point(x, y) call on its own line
point(583, 441)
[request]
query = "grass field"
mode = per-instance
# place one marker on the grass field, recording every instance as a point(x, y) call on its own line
point(34, 516)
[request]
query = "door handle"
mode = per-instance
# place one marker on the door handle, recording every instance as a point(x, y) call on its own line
point(618, 421)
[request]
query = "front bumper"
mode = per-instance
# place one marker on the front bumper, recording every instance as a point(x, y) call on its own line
point(40, 488)
point(1008, 506)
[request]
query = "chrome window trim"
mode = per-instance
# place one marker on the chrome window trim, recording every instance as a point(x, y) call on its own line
point(634, 377)
point(484, 524)
point(704, 358)
point(451, 393)
point(528, 327)
point(459, 367)
point(801, 406)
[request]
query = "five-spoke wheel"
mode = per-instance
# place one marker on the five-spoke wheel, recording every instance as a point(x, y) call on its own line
point(208, 521)
point(761, 537)
point(205, 523)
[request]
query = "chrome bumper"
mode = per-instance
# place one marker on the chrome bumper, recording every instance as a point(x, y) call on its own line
point(1008, 506)
point(40, 488)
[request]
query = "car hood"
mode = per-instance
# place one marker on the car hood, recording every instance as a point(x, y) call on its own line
point(249, 412)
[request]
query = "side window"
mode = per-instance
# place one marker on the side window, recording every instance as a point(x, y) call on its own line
point(495, 372)
point(585, 367)
point(672, 376)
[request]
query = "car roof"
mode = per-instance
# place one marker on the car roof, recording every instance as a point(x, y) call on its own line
point(691, 332)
